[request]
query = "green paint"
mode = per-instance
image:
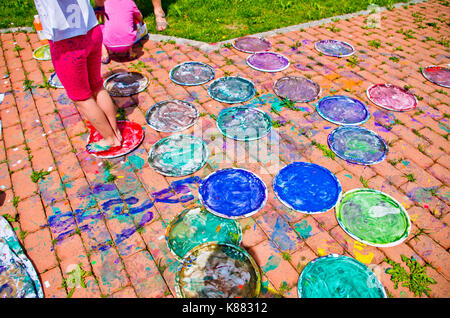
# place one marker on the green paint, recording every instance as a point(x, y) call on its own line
point(373, 217)
point(196, 226)
point(178, 155)
point(42, 53)
point(338, 276)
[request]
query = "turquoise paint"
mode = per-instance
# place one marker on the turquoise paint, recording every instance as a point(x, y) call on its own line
point(304, 229)
point(338, 276)
point(272, 263)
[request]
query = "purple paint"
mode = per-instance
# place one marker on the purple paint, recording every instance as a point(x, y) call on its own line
point(268, 62)
point(438, 75)
point(334, 48)
point(297, 89)
point(343, 110)
point(391, 97)
point(252, 44)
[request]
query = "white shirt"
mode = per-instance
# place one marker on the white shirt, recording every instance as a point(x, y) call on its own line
point(63, 19)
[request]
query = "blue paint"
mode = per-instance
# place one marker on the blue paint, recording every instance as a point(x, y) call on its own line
point(307, 187)
point(233, 193)
point(62, 224)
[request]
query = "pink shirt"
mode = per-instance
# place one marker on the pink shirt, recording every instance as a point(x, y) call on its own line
point(119, 23)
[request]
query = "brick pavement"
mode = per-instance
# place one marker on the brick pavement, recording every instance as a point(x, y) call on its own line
point(115, 230)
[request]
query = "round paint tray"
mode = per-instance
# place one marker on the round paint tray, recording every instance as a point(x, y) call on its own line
point(132, 135)
point(338, 276)
point(192, 73)
point(196, 226)
point(342, 110)
point(232, 89)
point(42, 53)
point(172, 115)
point(373, 217)
point(307, 187)
point(54, 81)
point(178, 155)
point(123, 84)
point(438, 75)
point(391, 97)
point(213, 270)
point(268, 62)
point(297, 89)
point(334, 48)
point(357, 144)
point(233, 193)
point(249, 44)
point(244, 123)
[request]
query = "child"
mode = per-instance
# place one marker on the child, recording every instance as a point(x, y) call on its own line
point(119, 32)
point(75, 41)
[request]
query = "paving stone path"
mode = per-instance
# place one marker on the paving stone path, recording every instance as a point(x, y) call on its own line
point(113, 227)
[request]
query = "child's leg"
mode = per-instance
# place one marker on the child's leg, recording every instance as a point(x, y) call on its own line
point(96, 116)
point(105, 102)
point(100, 95)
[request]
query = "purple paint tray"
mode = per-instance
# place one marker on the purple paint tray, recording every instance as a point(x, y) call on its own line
point(268, 62)
point(391, 97)
point(334, 48)
point(342, 110)
point(297, 89)
point(252, 45)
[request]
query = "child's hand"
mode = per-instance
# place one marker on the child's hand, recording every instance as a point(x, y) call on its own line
point(100, 14)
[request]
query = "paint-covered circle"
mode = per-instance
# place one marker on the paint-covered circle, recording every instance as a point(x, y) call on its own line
point(334, 48)
point(192, 73)
point(338, 276)
point(373, 217)
point(233, 193)
point(172, 115)
point(357, 144)
point(250, 44)
point(54, 81)
point(391, 97)
point(244, 123)
point(232, 89)
point(213, 270)
point(437, 74)
point(42, 53)
point(342, 110)
point(196, 226)
point(132, 135)
point(307, 187)
point(296, 88)
point(268, 62)
point(123, 84)
point(178, 155)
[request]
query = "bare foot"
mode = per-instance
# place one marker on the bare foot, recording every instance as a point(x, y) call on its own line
point(161, 23)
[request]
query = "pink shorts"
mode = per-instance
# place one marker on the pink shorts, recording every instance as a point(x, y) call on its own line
point(77, 62)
